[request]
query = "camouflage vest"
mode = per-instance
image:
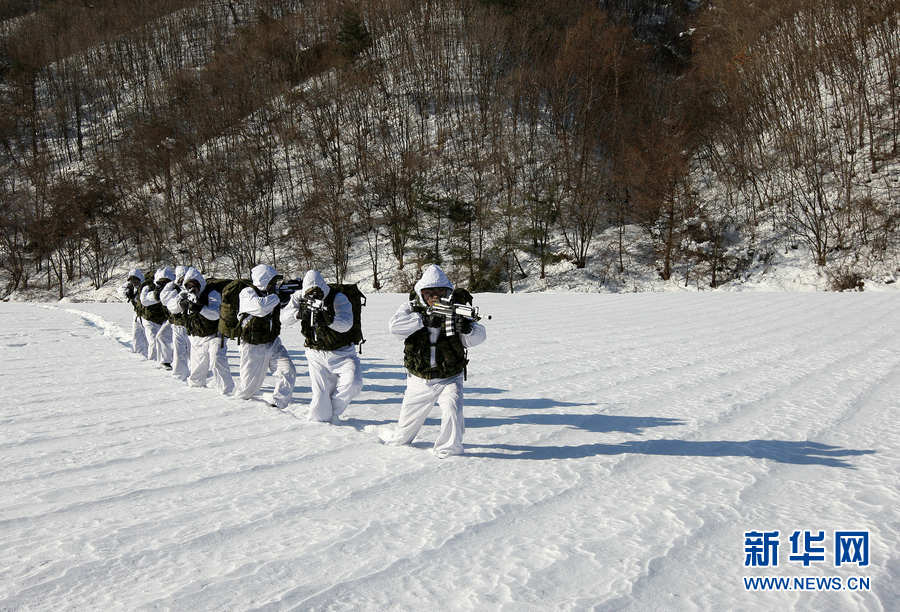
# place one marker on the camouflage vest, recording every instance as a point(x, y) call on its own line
point(322, 337)
point(450, 354)
point(261, 330)
point(196, 323)
point(155, 313)
point(138, 306)
point(136, 303)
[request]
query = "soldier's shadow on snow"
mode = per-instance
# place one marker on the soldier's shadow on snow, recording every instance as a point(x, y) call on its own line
point(370, 363)
point(597, 423)
point(370, 375)
point(381, 371)
point(401, 389)
point(782, 451)
point(531, 403)
point(360, 424)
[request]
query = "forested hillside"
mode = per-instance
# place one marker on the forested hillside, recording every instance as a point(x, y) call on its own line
point(474, 133)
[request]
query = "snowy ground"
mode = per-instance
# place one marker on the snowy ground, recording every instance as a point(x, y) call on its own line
point(611, 466)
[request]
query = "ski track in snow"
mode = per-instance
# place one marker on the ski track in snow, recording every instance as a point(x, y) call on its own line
point(610, 466)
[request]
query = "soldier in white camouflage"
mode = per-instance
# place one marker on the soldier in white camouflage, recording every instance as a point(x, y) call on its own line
point(436, 361)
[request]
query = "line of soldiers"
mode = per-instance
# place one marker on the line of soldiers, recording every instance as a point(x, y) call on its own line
point(177, 324)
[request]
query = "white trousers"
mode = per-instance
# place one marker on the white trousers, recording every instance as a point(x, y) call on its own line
point(336, 378)
point(210, 351)
point(159, 341)
point(138, 337)
point(257, 360)
point(418, 401)
point(181, 352)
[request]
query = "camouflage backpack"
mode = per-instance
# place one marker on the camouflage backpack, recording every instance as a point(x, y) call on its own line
point(357, 301)
point(229, 324)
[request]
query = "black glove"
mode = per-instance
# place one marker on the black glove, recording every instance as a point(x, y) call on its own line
point(433, 320)
point(460, 296)
point(323, 318)
point(284, 297)
point(129, 292)
point(195, 307)
point(184, 304)
point(274, 284)
point(462, 324)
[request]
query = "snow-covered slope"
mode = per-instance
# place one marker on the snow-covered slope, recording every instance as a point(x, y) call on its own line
point(619, 448)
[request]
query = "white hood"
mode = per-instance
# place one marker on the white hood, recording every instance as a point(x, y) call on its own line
point(164, 272)
point(262, 275)
point(136, 272)
point(433, 276)
point(314, 279)
point(194, 274)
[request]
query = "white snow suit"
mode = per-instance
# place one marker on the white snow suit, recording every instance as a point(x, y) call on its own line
point(138, 335)
point(208, 350)
point(181, 344)
point(421, 394)
point(159, 335)
point(335, 376)
point(257, 360)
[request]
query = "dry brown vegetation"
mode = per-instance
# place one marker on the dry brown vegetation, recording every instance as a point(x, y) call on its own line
point(459, 131)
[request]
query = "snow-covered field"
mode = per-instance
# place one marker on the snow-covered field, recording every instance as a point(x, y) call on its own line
point(619, 449)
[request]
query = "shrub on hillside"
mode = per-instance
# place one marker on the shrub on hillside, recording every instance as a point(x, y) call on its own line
point(845, 279)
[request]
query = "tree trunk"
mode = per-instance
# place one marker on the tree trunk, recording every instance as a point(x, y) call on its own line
point(669, 245)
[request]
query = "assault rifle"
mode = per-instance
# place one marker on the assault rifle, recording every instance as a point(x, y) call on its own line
point(290, 286)
point(313, 305)
point(452, 311)
point(287, 288)
point(189, 302)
